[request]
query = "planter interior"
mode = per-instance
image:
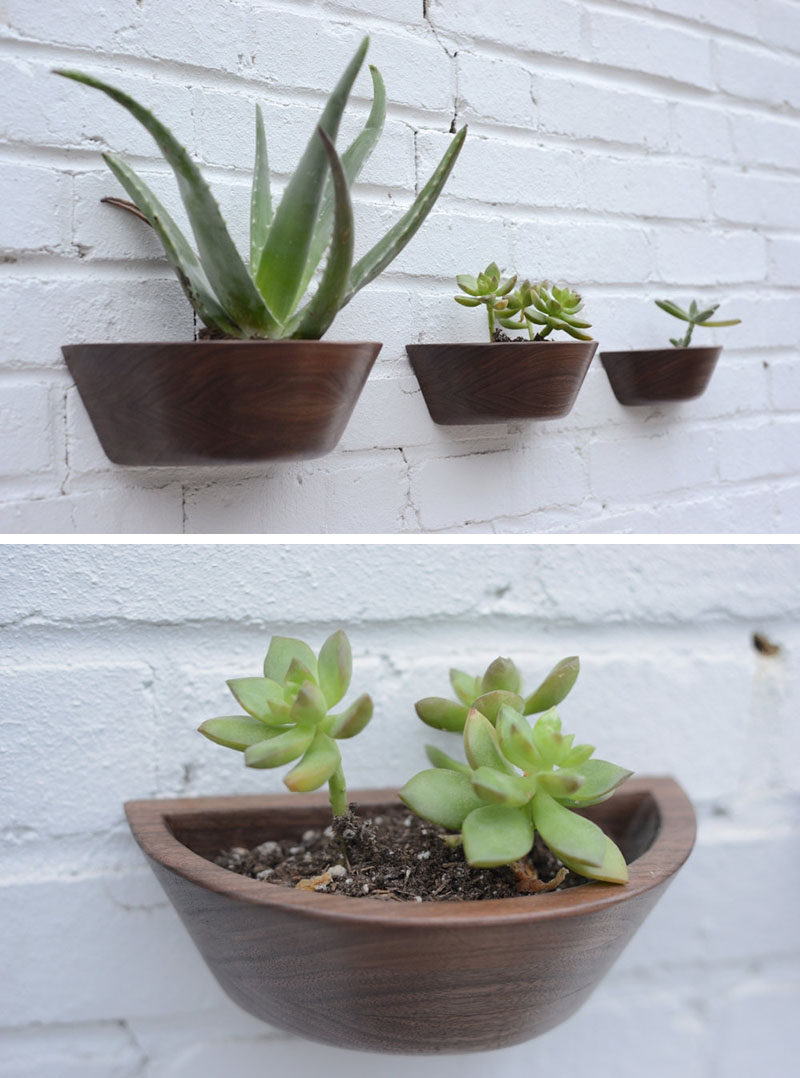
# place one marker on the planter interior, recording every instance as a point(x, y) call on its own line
point(661, 374)
point(404, 977)
point(495, 383)
point(209, 402)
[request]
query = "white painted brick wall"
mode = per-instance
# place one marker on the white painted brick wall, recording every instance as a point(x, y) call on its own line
point(636, 148)
point(110, 656)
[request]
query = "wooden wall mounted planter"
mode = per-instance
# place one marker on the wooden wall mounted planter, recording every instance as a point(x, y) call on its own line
point(495, 383)
point(661, 374)
point(212, 402)
point(404, 977)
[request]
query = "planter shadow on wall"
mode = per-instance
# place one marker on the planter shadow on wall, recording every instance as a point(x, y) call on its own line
point(495, 383)
point(404, 977)
point(660, 374)
point(208, 402)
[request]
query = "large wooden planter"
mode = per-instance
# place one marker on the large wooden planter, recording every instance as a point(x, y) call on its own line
point(208, 402)
point(495, 383)
point(661, 374)
point(404, 977)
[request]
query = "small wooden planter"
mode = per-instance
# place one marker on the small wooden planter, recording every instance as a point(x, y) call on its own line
point(208, 402)
point(662, 374)
point(495, 383)
point(404, 977)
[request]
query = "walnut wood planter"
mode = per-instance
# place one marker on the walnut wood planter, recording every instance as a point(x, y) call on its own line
point(660, 374)
point(208, 402)
point(404, 977)
point(495, 383)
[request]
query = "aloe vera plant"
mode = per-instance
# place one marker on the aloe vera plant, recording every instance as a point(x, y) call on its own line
point(517, 779)
point(695, 316)
point(262, 299)
point(288, 715)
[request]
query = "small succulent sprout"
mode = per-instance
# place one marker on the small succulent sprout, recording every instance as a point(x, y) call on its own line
point(263, 297)
point(542, 308)
point(695, 316)
point(500, 684)
point(519, 779)
point(489, 289)
point(288, 715)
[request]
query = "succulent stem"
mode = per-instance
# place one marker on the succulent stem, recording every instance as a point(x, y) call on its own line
point(337, 791)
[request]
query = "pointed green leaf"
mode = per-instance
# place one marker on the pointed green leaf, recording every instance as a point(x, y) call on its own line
point(561, 784)
point(516, 740)
point(567, 834)
point(282, 649)
point(612, 868)
point(442, 796)
point(442, 714)
point(465, 686)
point(319, 762)
point(179, 253)
point(555, 686)
point(468, 284)
point(310, 706)
point(548, 739)
point(727, 322)
point(236, 731)
point(465, 301)
point(600, 779)
point(578, 755)
point(281, 749)
point(335, 667)
point(388, 248)
point(501, 674)
point(229, 278)
point(480, 743)
point(261, 197)
point(441, 759)
point(497, 835)
point(255, 695)
point(502, 788)
point(283, 260)
point(673, 309)
point(489, 703)
point(314, 319)
point(351, 721)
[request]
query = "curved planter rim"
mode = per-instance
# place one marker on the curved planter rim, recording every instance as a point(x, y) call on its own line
point(672, 844)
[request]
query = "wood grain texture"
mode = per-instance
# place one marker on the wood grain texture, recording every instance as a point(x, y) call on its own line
point(208, 402)
point(661, 374)
point(494, 383)
point(404, 977)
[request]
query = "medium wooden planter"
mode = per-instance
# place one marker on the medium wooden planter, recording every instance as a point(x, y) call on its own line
point(404, 977)
point(208, 402)
point(662, 374)
point(495, 383)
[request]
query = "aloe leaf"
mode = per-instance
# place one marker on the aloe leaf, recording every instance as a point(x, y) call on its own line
point(673, 309)
point(256, 695)
point(351, 721)
point(442, 714)
point(480, 743)
point(179, 253)
point(261, 197)
point(124, 204)
point(281, 749)
point(318, 763)
point(353, 160)
point(282, 649)
point(236, 731)
point(497, 835)
point(335, 667)
point(228, 275)
point(501, 788)
point(612, 868)
point(600, 779)
point(442, 796)
point(441, 759)
point(320, 311)
point(388, 248)
point(567, 834)
point(555, 686)
point(283, 260)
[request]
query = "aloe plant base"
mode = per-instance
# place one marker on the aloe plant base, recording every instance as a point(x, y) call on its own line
point(500, 382)
point(404, 977)
point(660, 375)
point(212, 402)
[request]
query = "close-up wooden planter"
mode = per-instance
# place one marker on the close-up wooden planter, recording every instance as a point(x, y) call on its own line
point(661, 374)
point(213, 402)
point(401, 977)
point(496, 383)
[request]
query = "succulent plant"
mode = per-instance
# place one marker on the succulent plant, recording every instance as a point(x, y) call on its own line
point(262, 300)
point(694, 316)
point(501, 683)
point(287, 715)
point(547, 306)
point(518, 780)
point(488, 289)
